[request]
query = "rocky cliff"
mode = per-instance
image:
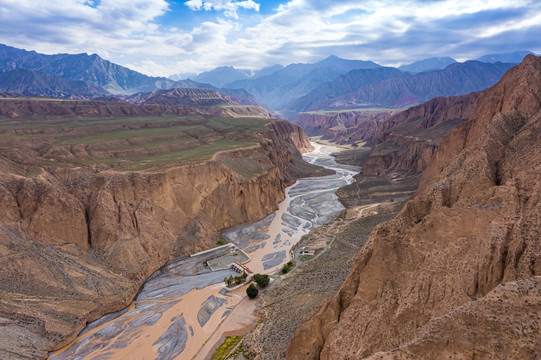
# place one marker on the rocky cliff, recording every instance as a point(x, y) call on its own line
point(77, 242)
point(408, 140)
point(343, 127)
point(456, 274)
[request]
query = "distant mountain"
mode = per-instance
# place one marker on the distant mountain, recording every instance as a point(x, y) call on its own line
point(435, 63)
point(183, 76)
point(222, 75)
point(266, 71)
point(455, 79)
point(208, 101)
point(344, 84)
point(240, 96)
point(92, 69)
point(515, 57)
point(185, 97)
point(99, 73)
point(30, 82)
point(296, 80)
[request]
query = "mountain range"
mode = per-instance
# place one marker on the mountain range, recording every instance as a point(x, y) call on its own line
point(342, 85)
point(333, 83)
point(31, 82)
point(105, 77)
point(434, 63)
point(455, 79)
point(295, 80)
point(515, 57)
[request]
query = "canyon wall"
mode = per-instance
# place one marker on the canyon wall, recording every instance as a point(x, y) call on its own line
point(408, 140)
point(343, 127)
point(77, 243)
point(457, 273)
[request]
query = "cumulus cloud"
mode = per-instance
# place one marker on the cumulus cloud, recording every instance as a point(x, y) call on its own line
point(131, 32)
point(229, 8)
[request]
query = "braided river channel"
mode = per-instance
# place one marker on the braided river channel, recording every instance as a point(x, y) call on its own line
point(184, 309)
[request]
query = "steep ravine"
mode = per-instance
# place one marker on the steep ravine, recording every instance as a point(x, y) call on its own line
point(408, 140)
point(456, 273)
point(77, 244)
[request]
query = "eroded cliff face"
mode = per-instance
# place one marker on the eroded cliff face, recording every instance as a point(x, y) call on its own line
point(456, 274)
point(408, 140)
point(78, 243)
point(344, 127)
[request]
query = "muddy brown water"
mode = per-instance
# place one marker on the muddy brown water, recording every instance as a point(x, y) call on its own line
point(184, 309)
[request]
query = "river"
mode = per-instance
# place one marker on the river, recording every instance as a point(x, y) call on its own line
point(184, 309)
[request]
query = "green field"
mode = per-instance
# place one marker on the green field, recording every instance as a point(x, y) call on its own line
point(132, 143)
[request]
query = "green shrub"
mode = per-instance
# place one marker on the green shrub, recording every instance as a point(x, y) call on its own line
point(288, 267)
point(262, 280)
point(229, 343)
point(252, 291)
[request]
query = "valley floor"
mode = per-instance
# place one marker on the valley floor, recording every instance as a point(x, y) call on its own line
point(370, 200)
point(185, 308)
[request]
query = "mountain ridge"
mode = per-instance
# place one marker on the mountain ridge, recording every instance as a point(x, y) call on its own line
point(434, 63)
point(97, 72)
point(295, 80)
point(31, 83)
point(456, 273)
point(455, 79)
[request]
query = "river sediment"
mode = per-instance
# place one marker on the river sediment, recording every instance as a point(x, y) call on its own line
point(184, 308)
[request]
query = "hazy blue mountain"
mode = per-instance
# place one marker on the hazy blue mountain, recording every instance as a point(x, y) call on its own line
point(514, 57)
point(455, 79)
point(98, 73)
point(31, 82)
point(92, 69)
point(295, 80)
point(184, 76)
point(222, 75)
point(266, 71)
point(435, 63)
point(344, 84)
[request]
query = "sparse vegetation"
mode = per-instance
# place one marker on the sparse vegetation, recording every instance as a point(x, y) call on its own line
point(136, 143)
point(287, 267)
point(293, 298)
point(225, 349)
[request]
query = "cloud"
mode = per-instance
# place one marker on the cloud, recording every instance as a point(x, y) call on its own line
point(228, 7)
point(132, 32)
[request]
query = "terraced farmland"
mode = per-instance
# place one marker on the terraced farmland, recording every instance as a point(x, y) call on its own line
point(124, 143)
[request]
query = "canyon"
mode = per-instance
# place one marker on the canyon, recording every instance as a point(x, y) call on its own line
point(114, 187)
point(455, 274)
point(79, 238)
point(162, 323)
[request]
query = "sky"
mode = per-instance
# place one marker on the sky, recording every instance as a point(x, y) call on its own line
point(165, 37)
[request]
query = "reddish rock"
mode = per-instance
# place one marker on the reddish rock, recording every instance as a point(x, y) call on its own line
point(456, 274)
point(77, 242)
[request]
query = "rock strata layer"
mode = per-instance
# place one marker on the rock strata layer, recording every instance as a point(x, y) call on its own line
point(457, 273)
point(77, 243)
point(408, 140)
